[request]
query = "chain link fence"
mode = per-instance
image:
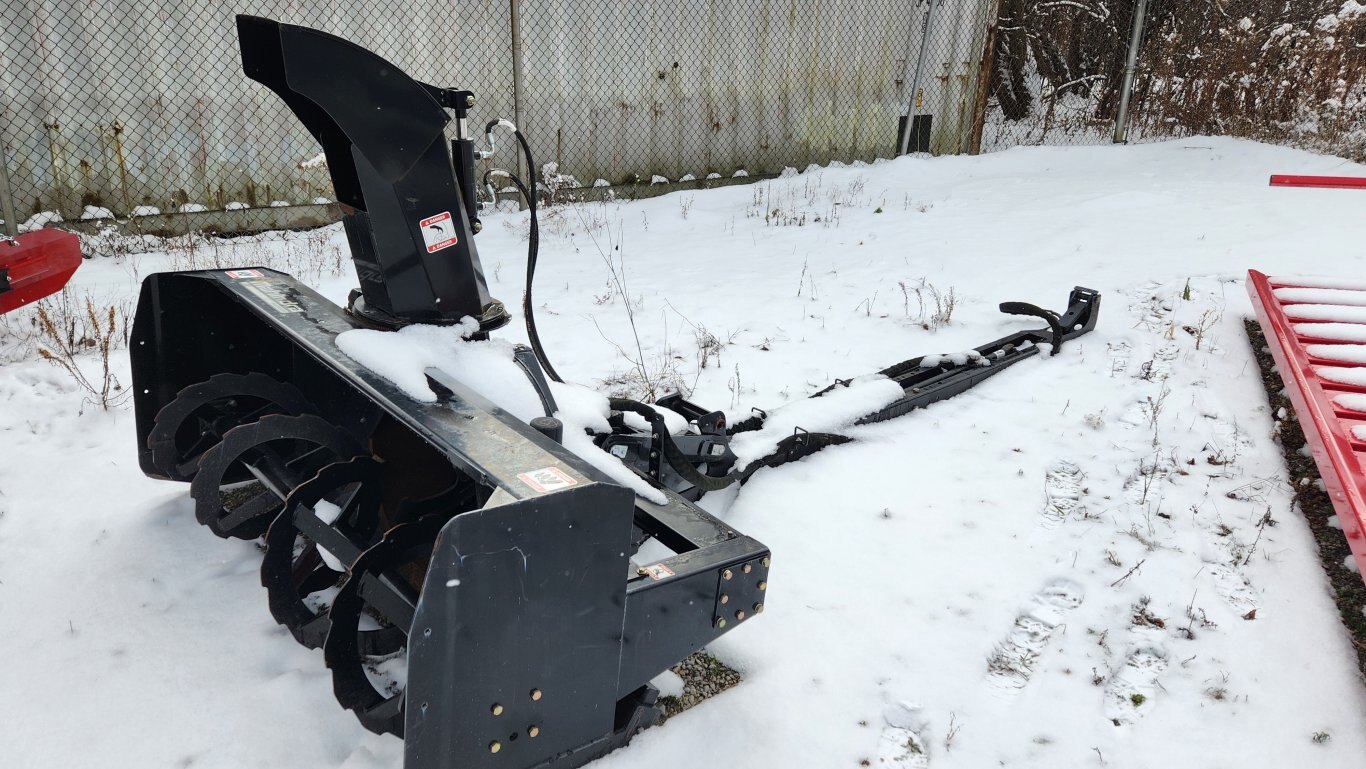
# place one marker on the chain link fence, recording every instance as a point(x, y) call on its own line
point(1283, 72)
point(126, 107)
point(140, 109)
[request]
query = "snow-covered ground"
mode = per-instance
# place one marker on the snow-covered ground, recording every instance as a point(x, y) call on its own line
point(1089, 560)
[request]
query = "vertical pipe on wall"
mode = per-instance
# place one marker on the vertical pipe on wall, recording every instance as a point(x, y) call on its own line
point(514, 17)
point(988, 66)
point(1130, 68)
point(915, 81)
point(7, 201)
point(6, 196)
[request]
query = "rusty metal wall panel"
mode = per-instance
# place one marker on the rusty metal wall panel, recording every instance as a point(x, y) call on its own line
point(125, 103)
point(618, 90)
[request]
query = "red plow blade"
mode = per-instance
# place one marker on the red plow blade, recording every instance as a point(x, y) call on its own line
point(1316, 329)
point(35, 265)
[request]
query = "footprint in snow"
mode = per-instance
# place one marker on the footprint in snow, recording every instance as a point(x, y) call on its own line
point(1160, 365)
point(1234, 588)
point(1145, 484)
point(1062, 492)
point(1129, 693)
point(1012, 662)
point(1120, 353)
point(902, 743)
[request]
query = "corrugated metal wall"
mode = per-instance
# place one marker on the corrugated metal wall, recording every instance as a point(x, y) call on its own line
point(123, 103)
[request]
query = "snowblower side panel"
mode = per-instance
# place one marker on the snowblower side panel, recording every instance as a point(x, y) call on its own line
point(521, 621)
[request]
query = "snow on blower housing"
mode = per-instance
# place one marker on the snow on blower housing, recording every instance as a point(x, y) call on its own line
point(411, 521)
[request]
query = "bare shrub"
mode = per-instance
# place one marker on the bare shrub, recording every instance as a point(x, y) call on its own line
point(67, 334)
point(934, 307)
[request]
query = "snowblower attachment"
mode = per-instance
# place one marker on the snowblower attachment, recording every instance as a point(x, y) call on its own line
point(500, 562)
point(473, 585)
point(34, 265)
point(476, 588)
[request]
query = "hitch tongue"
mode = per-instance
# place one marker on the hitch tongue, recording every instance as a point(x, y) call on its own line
point(1035, 311)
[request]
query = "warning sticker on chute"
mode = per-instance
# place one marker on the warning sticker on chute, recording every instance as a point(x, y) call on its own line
point(547, 479)
point(438, 232)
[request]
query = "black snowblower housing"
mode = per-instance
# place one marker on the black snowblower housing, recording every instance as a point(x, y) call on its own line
point(444, 535)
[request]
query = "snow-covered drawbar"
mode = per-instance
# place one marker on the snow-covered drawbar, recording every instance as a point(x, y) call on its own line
point(35, 265)
point(1316, 330)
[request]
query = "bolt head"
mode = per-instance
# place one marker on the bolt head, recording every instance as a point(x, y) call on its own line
point(497, 709)
point(533, 730)
point(727, 574)
point(495, 746)
point(535, 694)
point(739, 615)
point(725, 598)
point(763, 584)
point(720, 621)
point(469, 100)
point(758, 608)
point(747, 568)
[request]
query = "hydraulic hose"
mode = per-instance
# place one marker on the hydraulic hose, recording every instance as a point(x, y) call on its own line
point(533, 244)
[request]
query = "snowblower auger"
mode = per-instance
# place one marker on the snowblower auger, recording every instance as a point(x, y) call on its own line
point(473, 584)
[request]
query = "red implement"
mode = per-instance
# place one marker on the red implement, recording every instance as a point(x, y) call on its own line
point(1316, 329)
point(37, 264)
point(1337, 182)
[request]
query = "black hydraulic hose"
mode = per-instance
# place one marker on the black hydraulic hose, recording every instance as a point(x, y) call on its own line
point(533, 249)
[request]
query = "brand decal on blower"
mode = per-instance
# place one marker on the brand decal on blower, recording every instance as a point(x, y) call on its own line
point(272, 294)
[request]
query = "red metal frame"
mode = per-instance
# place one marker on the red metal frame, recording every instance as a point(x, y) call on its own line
point(40, 264)
point(1340, 455)
point(1338, 182)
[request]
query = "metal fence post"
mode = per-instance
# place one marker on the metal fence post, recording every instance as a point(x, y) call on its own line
point(514, 16)
point(6, 194)
point(915, 81)
point(1130, 68)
